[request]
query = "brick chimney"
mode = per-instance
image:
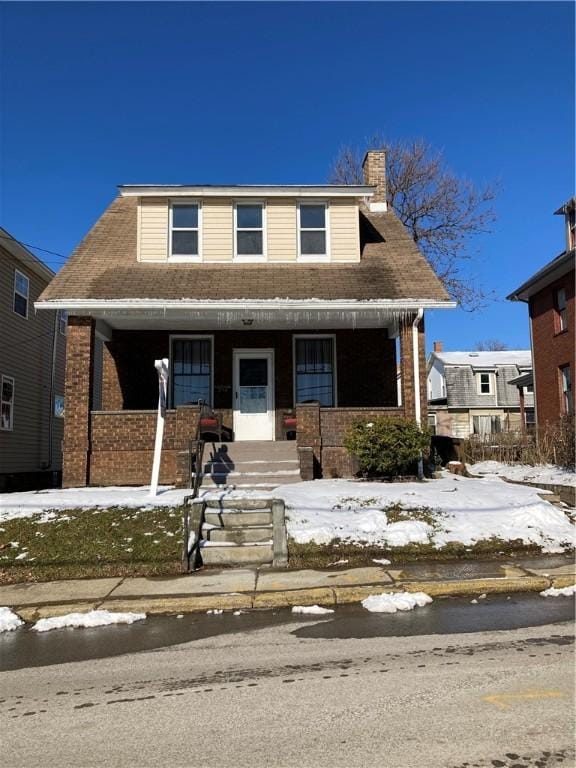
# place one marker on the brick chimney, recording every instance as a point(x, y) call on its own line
point(438, 346)
point(374, 167)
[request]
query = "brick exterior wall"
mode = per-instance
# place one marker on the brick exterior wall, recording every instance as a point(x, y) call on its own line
point(78, 393)
point(115, 446)
point(551, 349)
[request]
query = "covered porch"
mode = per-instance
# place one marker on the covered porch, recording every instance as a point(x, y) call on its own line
point(271, 371)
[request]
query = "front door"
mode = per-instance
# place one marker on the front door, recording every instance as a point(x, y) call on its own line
point(254, 394)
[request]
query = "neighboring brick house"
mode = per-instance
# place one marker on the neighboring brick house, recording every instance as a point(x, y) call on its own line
point(266, 299)
point(550, 297)
point(473, 393)
point(32, 359)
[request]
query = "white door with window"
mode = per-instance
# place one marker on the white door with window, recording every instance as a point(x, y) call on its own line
point(254, 394)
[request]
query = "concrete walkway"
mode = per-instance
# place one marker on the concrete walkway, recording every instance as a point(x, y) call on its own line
point(236, 589)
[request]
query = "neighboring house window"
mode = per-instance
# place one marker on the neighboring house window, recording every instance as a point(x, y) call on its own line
point(566, 384)
point(249, 229)
point(312, 223)
point(484, 383)
point(191, 371)
point(572, 228)
point(432, 423)
point(486, 425)
point(21, 294)
point(314, 370)
point(7, 403)
point(185, 229)
point(62, 321)
point(59, 406)
point(529, 389)
point(561, 310)
point(530, 417)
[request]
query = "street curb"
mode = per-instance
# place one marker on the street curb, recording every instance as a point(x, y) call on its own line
point(330, 596)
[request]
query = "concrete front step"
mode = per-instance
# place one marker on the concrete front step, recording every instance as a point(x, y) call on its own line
point(271, 480)
point(243, 554)
point(251, 451)
point(237, 519)
point(245, 535)
point(253, 466)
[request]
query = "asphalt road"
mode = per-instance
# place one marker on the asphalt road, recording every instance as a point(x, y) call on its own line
point(303, 693)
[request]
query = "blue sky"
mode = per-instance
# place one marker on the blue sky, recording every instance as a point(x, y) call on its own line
point(98, 94)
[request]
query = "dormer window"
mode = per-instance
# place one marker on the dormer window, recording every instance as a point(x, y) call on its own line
point(484, 383)
point(249, 230)
point(185, 230)
point(312, 229)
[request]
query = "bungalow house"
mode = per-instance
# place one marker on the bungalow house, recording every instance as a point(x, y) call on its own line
point(551, 304)
point(477, 393)
point(272, 304)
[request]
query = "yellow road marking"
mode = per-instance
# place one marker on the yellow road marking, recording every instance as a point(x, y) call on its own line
point(504, 700)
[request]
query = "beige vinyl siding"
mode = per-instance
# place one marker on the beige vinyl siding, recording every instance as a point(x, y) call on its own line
point(26, 356)
point(344, 231)
point(217, 230)
point(153, 229)
point(281, 230)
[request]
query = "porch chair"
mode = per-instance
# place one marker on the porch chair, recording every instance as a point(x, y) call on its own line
point(209, 422)
point(289, 424)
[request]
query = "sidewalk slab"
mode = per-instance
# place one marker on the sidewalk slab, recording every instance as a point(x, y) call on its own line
point(200, 583)
point(291, 580)
point(72, 590)
point(563, 570)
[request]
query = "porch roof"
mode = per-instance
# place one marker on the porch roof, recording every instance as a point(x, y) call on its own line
point(104, 268)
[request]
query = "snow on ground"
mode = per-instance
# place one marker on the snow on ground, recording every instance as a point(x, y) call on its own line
point(9, 620)
point(471, 510)
point(391, 602)
point(544, 473)
point(89, 619)
point(51, 500)
point(560, 592)
point(311, 609)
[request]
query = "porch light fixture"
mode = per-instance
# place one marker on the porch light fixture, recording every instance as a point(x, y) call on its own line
point(247, 321)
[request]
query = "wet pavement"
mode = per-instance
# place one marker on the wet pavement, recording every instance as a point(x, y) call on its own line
point(24, 648)
point(478, 569)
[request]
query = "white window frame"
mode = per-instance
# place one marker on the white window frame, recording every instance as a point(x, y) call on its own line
point(561, 311)
point(479, 375)
point(314, 256)
point(565, 378)
point(183, 258)
point(190, 337)
point(62, 322)
point(332, 336)
point(8, 378)
point(17, 292)
point(251, 257)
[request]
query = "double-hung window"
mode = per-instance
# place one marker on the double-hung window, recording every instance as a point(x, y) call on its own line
point(484, 383)
point(21, 294)
point(566, 385)
point(7, 403)
point(185, 230)
point(312, 233)
point(191, 371)
point(314, 370)
point(249, 226)
point(561, 310)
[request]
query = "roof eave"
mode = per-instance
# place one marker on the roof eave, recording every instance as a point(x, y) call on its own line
point(246, 190)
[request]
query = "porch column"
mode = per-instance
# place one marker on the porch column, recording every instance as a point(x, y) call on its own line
point(407, 369)
point(79, 392)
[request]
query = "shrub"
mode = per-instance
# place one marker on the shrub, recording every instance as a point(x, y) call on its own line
point(386, 446)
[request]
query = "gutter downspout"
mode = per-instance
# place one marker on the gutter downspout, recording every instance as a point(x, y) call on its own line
point(416, 368)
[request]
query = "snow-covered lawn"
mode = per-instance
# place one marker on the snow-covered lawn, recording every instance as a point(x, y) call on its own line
point(452, 509)
point(28, 503)
point(544, 473)
point(437, 512)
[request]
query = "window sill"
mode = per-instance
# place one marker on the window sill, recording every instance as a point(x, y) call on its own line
point(560, 333)
point(184, 259)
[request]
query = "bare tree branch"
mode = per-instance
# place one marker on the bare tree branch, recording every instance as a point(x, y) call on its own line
point(491, 345)
point(442, 211)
